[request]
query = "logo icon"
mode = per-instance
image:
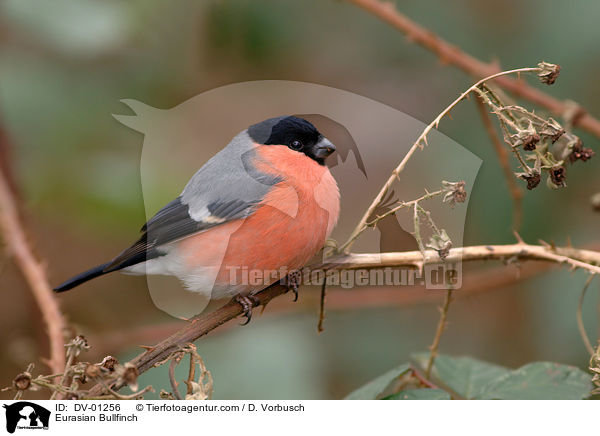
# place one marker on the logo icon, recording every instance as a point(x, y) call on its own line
point(26, 415)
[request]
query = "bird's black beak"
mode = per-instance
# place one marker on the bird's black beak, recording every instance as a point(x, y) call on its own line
point(323, 148)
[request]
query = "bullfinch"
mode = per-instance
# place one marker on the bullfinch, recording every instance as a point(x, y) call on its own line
point(261, 207)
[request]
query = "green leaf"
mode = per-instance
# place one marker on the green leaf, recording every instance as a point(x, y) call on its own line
point(540, 381)
point(420, 394)
point(464, 375)
point(375, 387)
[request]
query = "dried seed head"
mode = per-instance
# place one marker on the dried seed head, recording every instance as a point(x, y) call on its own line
point(445, 250)
point(109, 363)
point(527, 137)
point(548, 72)
point(455, 192)
point(441, 243)
point(22, 381)
point(552, 129)
point(578, 152)
point(558, 175)
point(77, 345)
point(130, 376)
point(164, 395)
point(533, 179)
point(92, 371)
point(530, 141)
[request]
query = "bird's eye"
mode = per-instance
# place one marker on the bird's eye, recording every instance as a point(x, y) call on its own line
point(295, 145)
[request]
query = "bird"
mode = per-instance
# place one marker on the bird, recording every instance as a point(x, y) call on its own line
point(266, 202)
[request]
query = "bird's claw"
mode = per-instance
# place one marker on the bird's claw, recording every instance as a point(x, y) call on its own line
point(247, 302)
point(292, 282)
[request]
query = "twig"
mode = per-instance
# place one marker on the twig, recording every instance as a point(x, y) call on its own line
point(320, 328)
point(419, 143)
point(580, 324)
point(515, 192)
point(337, 299)
point(70, 360)
point(74, 349)
point(34, 273)
point(422, 379)
point(452, 55)
point(118, 396)
point(433, 350)
point(174, 384)
point(191, 374)
point(202, 324)
point(405, 204)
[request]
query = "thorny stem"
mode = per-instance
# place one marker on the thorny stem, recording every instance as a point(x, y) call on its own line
point(505, 120)
point(404, 205)
point(580, 325)
point(515, 192)
point(427, 216)
point(438, 333)
point(201, 324)
point(15, 238)
point(452, 55)
point(417, 230)
point(70, 359)
point(419, 143)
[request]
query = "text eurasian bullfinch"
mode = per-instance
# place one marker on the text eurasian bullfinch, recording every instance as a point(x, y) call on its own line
point(266, 202)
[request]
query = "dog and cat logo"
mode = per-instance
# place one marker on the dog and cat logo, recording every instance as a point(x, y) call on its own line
point(26, 415)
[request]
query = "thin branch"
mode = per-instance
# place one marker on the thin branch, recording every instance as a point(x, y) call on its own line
point(34, 273)
point(580, 324)
point(433, 349)
point(320, 328)
point(364, 297)
point(403, 205)
point(202, 324)
point(515, 192)
point(452, 55)
point(174, 384)
point(422, 379)
point(118, 396)
point(191, 374)
point(65, 376)
point(419, 143)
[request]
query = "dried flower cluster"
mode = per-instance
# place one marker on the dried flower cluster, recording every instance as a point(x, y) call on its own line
point(548, 72)
point(451, 192)
point(454, 192)
point(541, 145)
point(109, 372)
point(77, 374)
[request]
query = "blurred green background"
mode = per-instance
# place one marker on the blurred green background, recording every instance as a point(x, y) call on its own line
point(64, 66)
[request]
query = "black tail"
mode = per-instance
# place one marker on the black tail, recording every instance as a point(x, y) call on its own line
point(114, 265)
point(83, 277)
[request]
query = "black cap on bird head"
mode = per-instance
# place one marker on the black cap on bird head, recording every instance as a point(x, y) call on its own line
point(295, 133)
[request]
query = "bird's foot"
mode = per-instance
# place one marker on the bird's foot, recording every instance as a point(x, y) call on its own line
point(247, 302)
point(292, 282)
